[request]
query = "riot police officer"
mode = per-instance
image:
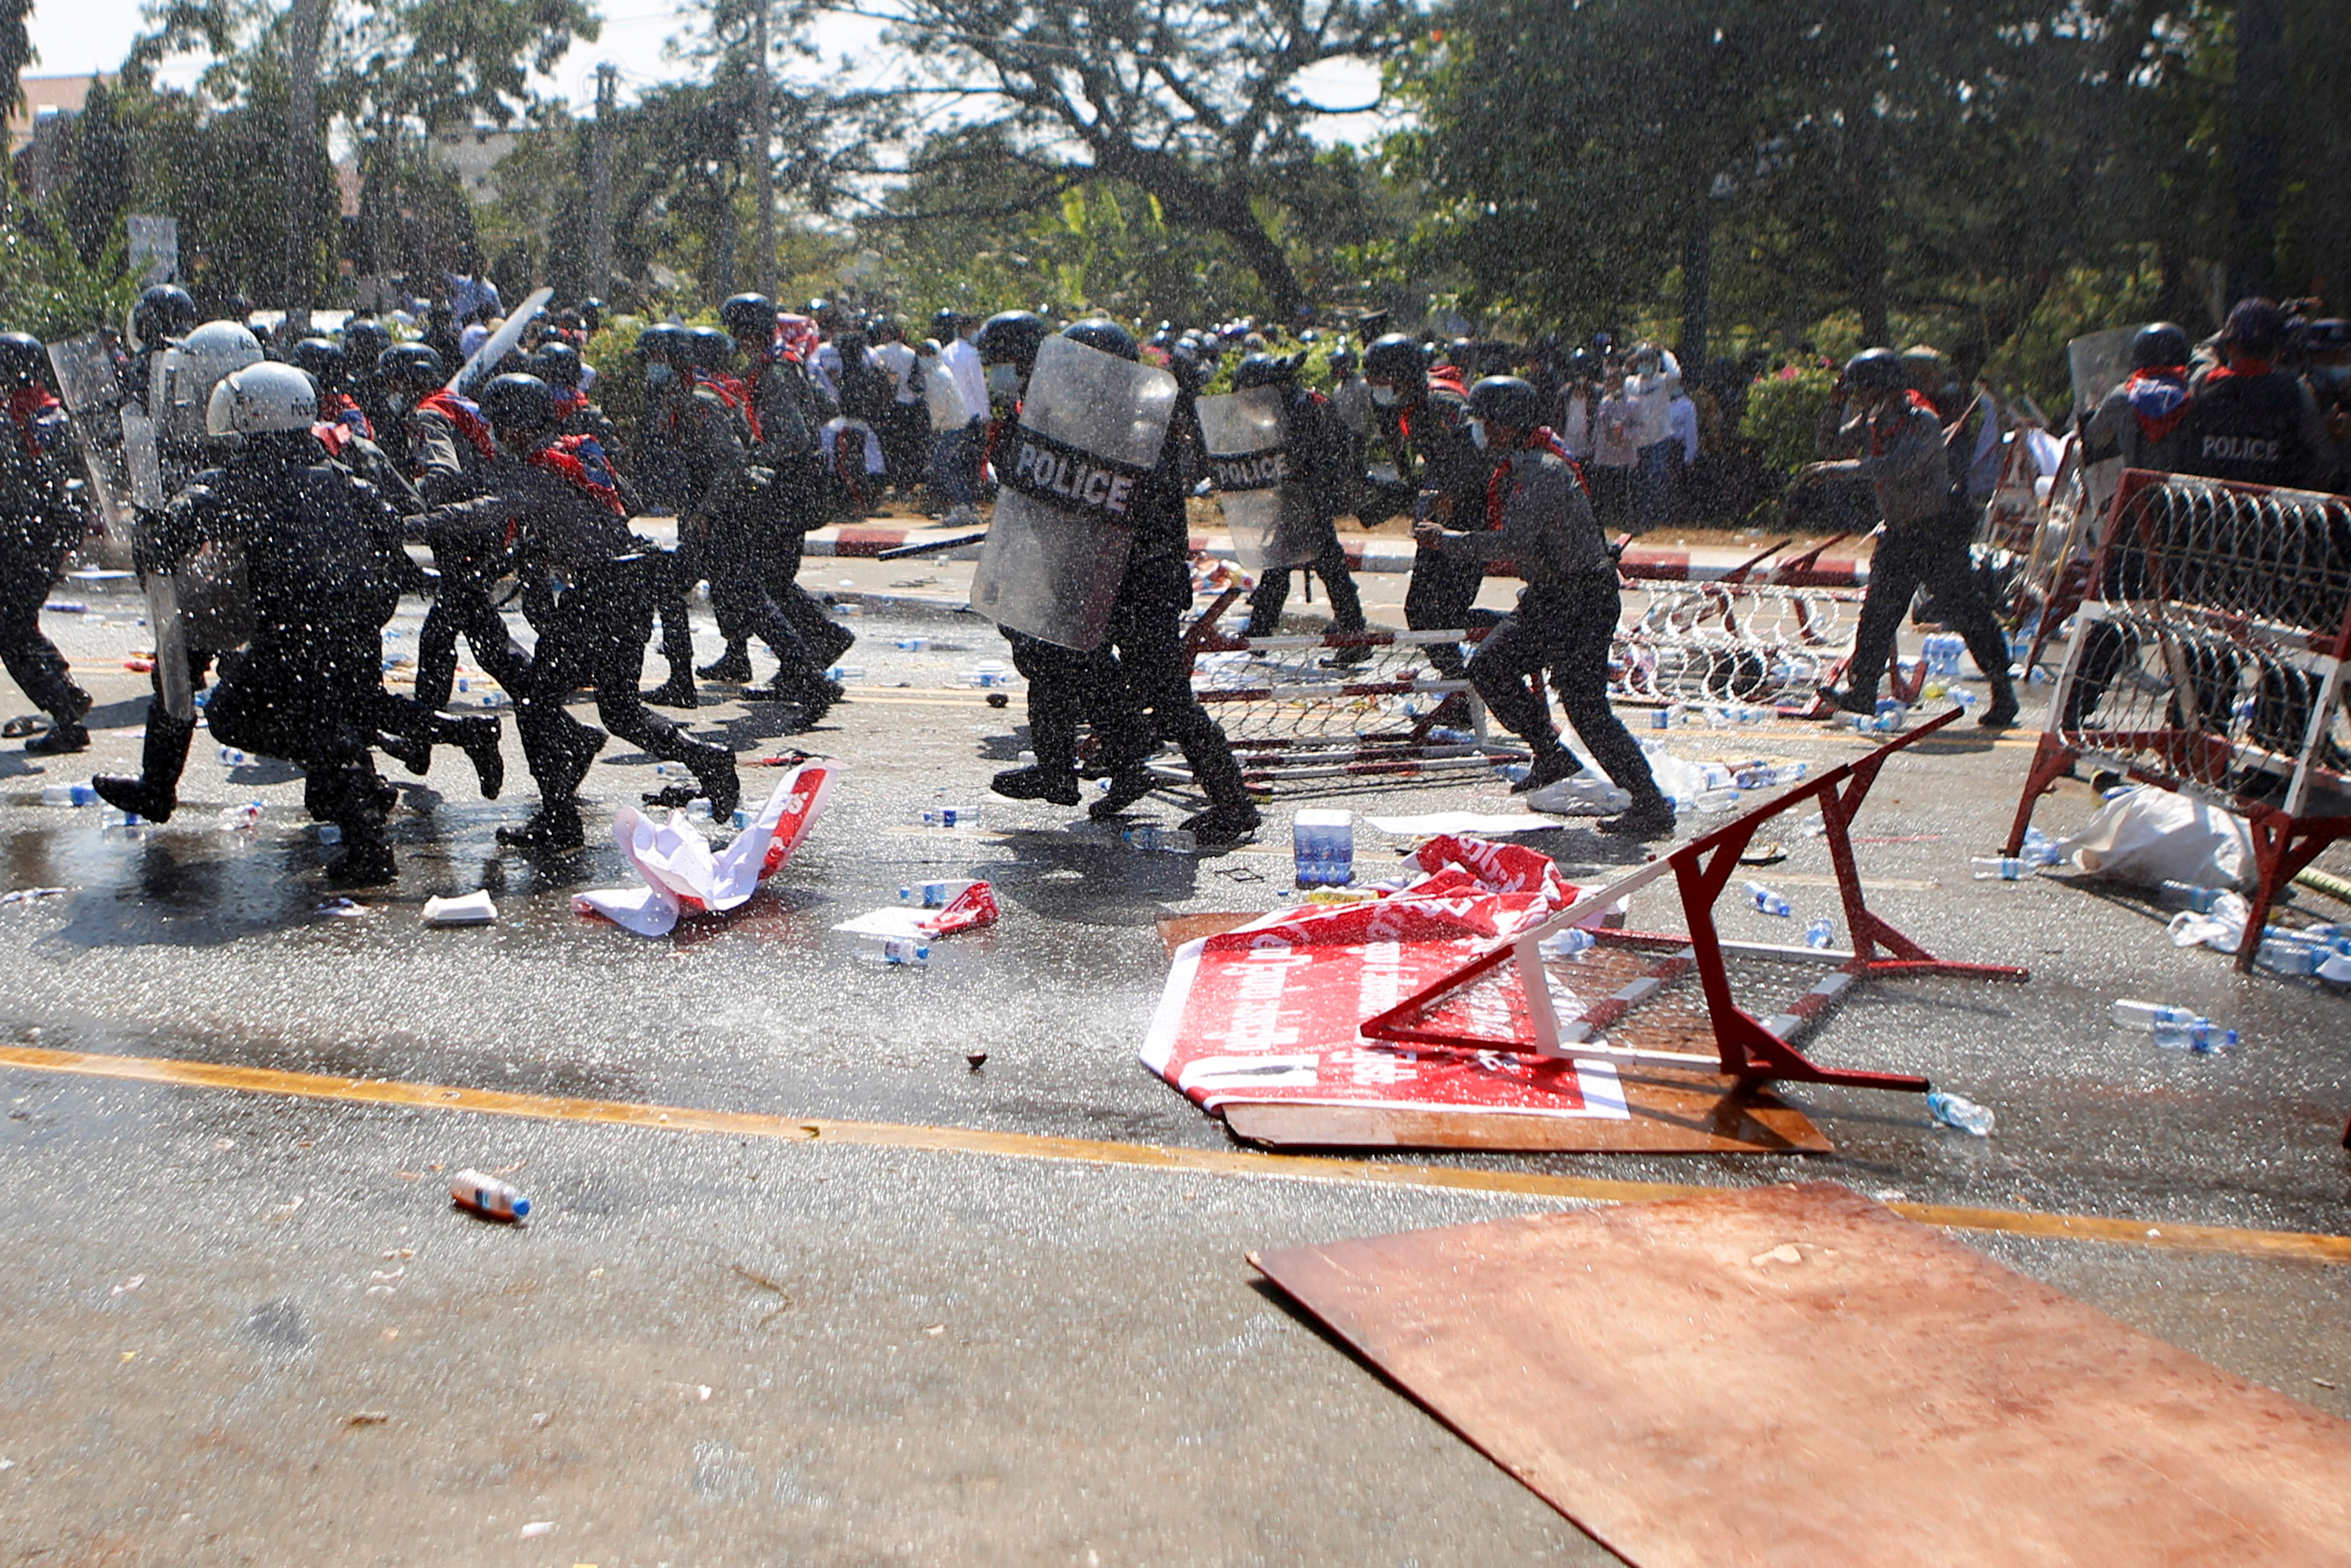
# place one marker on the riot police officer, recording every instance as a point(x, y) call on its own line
point(2248, 420)
point(720, 511)
point(2138, 422)
point(1927, 533)
point(1320, 457)
point(40, 521)
point(317, 543)
point(1536, 514)
point(561, 502)
point(1424, 423)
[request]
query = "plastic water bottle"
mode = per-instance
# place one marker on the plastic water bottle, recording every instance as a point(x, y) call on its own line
point(1722, 798)
point(2146, 1015)
point(2000, 868)
point(931, 895)
point(697, 810)
point(902, 952)
point(1566, 944)
point(1160, 841)
point(2187, 895)
point(1819, 934)
point(1323, 846)
point(114, 818)
point(844, 673)
point(329, 833)
point(231, 757)
point(952, 817)
point(241, 819)
point(914, 645)
point(487, 1195)
point(1768, 775)
point(2197, 1034)
point(1663, 718)
point(68, 795)
point(740, 820)
point(1965, 1115)
point(2287, 955)
point(2040, 849)
point(1768, 901)
point(1942, 650)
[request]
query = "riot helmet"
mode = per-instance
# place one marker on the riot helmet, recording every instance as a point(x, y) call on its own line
point(518, 404)
point(556, 364)
point(663, 341)
point(2159, 346)
point(591, 313)
point(751, 315)
point(1506, 401)
point(1108, 336)
point(411, 365)
point(267, 398)
point(1876, 369)
point(321, 360)
point(709, 348)
point(1011, 338)
point(21, 359)
point(163, 311)
point(1397, 368)
point(946, 324)
point(1264, 370)
point(363, 340)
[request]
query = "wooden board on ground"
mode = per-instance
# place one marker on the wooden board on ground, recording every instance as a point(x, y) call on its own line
point(1671, 1112)
point(1798, 1375)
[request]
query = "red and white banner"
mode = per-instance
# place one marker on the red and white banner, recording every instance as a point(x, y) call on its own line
point(682, 876)
point(1267, 1013)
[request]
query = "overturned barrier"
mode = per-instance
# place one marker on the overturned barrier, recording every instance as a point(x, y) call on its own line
point(2208, 657)
point(1518, 1000)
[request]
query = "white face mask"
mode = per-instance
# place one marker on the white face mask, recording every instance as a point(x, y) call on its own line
point(1386, 397)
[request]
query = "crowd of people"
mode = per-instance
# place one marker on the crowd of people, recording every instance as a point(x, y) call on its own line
point(274, 510)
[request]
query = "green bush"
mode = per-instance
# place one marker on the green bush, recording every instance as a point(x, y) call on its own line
point(1783, 410)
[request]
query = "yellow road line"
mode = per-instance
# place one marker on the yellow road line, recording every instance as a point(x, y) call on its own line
point(2277, 1244)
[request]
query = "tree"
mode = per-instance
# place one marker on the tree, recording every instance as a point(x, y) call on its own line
point(15, 52)
point(1199, 106)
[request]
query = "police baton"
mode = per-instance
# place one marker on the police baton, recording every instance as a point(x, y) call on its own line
point(930, 547)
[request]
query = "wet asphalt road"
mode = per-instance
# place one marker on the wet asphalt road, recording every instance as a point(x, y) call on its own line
point(1104, 1379)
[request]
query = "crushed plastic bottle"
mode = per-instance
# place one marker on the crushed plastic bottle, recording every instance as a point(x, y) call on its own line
point(1768, 775)
point(1942, 650)
point(1768, 900)
point(487, 1195)
point(241, 819)
point(1160, 841)
point(2133, 1014)
point(901, 952)
point(2000, 868)
point(1952, 1111)
point(2199, 1035)
point(1819, 934)
point(914, 645)
point(1566, 944)
point(2187, 895)
point(952, 817)
point(2040, 849)
point(2286, 955)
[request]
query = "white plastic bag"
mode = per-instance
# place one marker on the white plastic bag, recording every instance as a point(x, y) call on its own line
point(1588, 794)
point(2152, 836)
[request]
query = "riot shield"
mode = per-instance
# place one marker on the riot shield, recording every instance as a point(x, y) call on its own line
point(498, 344)
point(1248, 440)
point(1090, 429)
point(93, 394)
point(2098, 362)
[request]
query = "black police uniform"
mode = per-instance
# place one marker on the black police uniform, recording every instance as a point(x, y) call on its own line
point(2263, 428)
point(307, 685)
point(40, 522)
point(592, 632)
point(451, 454)
point(1322, 463)
point(792, 408)
point(1434, 454)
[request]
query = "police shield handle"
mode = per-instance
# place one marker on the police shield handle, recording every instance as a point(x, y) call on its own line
point(500, 343)
point(1248, 442)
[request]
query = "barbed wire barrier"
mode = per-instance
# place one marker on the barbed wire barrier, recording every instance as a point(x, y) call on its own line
point(2207, 658)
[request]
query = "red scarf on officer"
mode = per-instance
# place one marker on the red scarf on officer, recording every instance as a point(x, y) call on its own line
point(462, 413)
point(1881, 438)
point(735, 393)
point(1538, 439)
point(25, 405)
point(581, 461)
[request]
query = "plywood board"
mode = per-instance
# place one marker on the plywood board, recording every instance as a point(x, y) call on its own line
point(1671, 1114)
point(1796, 1375)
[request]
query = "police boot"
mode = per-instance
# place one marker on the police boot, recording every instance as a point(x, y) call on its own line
point(477, 737)
point(155, 794)
point(1232, 817)
point(1053, 776)
point(556, 827)
point(814, 694)
point(734, 664)
point(1651, 816)
point(675, 691)
point(2000, 714)
point(714, 769)
point(1128, 783)
point(1549, 768)
point(65, 734)
point(366, 861)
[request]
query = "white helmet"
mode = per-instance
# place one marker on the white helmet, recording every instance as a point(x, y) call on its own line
point(261, 399)
point(187, 371)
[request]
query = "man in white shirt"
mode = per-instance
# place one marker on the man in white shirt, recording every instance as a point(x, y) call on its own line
point(955, 454)
point(906, 427)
